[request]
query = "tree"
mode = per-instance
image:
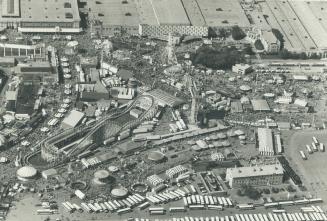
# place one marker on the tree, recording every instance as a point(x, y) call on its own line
point(237, 33)
point(315, 56)
point(212, 33)
point(222, 33)
point(279, 36)
point(275, 190)
point(248, 50)
point(250, 192)
point(223, 58)
point(266, 191)
point(291, 189)
point(258, 45)
point(285, 54)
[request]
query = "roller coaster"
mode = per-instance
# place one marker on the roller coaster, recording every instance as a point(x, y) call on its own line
point(81, 138)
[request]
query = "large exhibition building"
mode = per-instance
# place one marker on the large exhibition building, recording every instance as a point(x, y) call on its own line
point(161, 17)
point(59, 16)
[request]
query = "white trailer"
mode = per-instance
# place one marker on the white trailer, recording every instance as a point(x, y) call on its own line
point(309, 149)
point(314, 147)
point(322, 147)
point(315, 140)
point(304, 157)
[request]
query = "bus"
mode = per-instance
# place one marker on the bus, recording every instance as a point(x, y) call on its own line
point(144, 205)
point(196, 207)
point(86, 207)
point(177, 209)
point(114, 207)
point(245, 206)
point(229, 202)
point(316, 200)
point(300, 202)
point(278, 211)
point(206, 200)
point(185, 201)
point(193, 190)
point(93, 208)
point(77, 207)
point(247, 218)
point(140, 197)
point(215, 207)
point(224, 201)
point(157, 212)
point(237, 216)
point(286, 203)
point(123, 211)
point(67, 208)
point(211, 202)
point(265, 217)
point(109, 206)
point(270, 205)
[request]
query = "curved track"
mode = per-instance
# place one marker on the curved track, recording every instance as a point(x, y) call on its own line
point(91, 130)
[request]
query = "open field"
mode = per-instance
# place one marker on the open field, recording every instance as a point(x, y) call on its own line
point(311, 171)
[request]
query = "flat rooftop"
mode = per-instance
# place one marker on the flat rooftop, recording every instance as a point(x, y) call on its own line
point(10, 8)
point(114, 12)
point(73, 118)
point(255, 171)
point(193, 12)
point(170, 12)
point(40, 11)
point(223, 13)
point(265, 138)
point(146, 12)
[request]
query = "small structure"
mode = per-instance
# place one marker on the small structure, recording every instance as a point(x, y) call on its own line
point(26, 173)
point(242, 68)
point(73, 119)
point(165, 99)
point(176, 171)
point(135, 113)
point(119, 193)
point(270, 42)
point(8, 62)
point(260, 105)
point(156, 156)
point(47, 174)
point(126, 93)
point(266, 143)
point(155, 180)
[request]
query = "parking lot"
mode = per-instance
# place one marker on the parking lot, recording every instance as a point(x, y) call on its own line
point(312, 171)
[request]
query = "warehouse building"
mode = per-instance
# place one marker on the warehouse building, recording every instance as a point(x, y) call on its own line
point(28, 16)
point(255, 176)
point(20, 50)
point(159, 18)
point(266, 143)
point(72, 120)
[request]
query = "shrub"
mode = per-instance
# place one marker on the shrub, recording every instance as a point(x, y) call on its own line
point(237, 33)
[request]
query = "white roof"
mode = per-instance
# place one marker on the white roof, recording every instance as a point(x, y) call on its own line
point(265, 138)
point(264, 170)
point(73, 118)
point(301, 102)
